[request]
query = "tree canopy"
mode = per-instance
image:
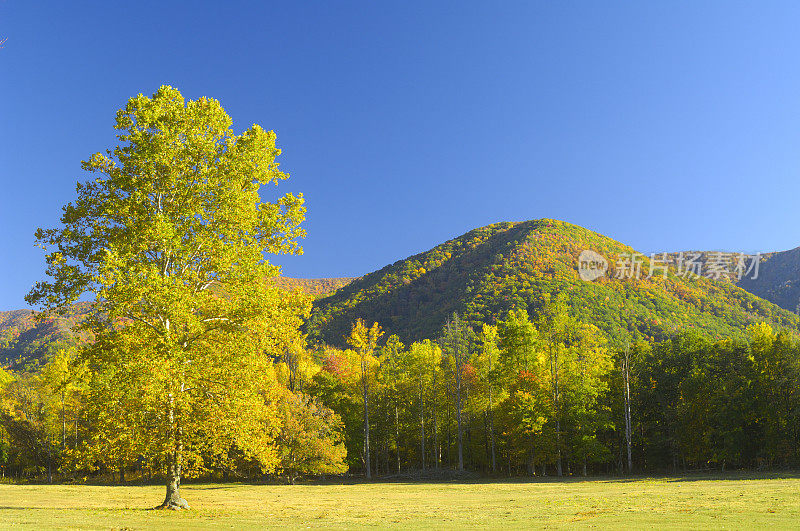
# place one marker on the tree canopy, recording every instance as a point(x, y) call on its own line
point(170, 238)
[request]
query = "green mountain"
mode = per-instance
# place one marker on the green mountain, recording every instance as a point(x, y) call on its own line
point(489, 270)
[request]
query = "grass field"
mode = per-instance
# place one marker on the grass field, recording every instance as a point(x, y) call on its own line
point(730, 501)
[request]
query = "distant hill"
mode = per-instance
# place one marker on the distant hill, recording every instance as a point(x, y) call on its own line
point(486, 271)
point(777, 278)
point(23, 340)
point(316, 287)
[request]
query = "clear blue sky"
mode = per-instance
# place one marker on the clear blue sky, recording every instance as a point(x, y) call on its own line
point(665, 125)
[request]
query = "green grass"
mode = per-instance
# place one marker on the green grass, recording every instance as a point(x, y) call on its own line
point(731, 501)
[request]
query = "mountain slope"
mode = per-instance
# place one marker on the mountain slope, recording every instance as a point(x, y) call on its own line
point(24, 340)
point(778, 279)
point(488, 270)
point(316, 287)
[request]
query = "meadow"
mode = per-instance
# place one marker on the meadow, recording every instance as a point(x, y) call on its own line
point(693, 501)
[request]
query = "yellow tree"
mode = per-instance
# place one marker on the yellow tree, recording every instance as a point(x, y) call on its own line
point(486, 364)
point(423, 360)
point(170, 237)
point(6, 378)
point(455, 345)
point(63, 376)
point(310, 438)
point(364, 340)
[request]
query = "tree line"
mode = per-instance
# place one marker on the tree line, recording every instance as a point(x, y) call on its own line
point(542, 395)
point(549, 396)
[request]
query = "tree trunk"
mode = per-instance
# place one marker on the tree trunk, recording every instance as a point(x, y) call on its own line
point(386, 458)
point(49, 462)
point(491, 431)
point(458, 414)
point(559, 472)
point(449, 439)
point(436, 450)
point(531, 465)
point(366, 423)
point(486, 438)
point(422, 425)
point(397, 434)
point(63, 423)
point(627, 370)
point(173, 498)
point(556, 400)
point(460, 435)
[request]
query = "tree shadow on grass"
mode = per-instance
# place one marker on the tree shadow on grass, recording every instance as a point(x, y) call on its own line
point(217, 486)
point(76, 508)
point(669, 478)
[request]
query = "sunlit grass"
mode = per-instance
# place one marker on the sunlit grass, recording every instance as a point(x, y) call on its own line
point(692, 501)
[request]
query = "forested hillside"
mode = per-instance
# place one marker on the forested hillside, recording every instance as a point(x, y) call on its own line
point(778, 279)
point(23, 339)
point(316, 287)
point(492, 269)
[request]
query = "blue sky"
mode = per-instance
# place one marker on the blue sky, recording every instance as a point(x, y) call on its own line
point(665, 125)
